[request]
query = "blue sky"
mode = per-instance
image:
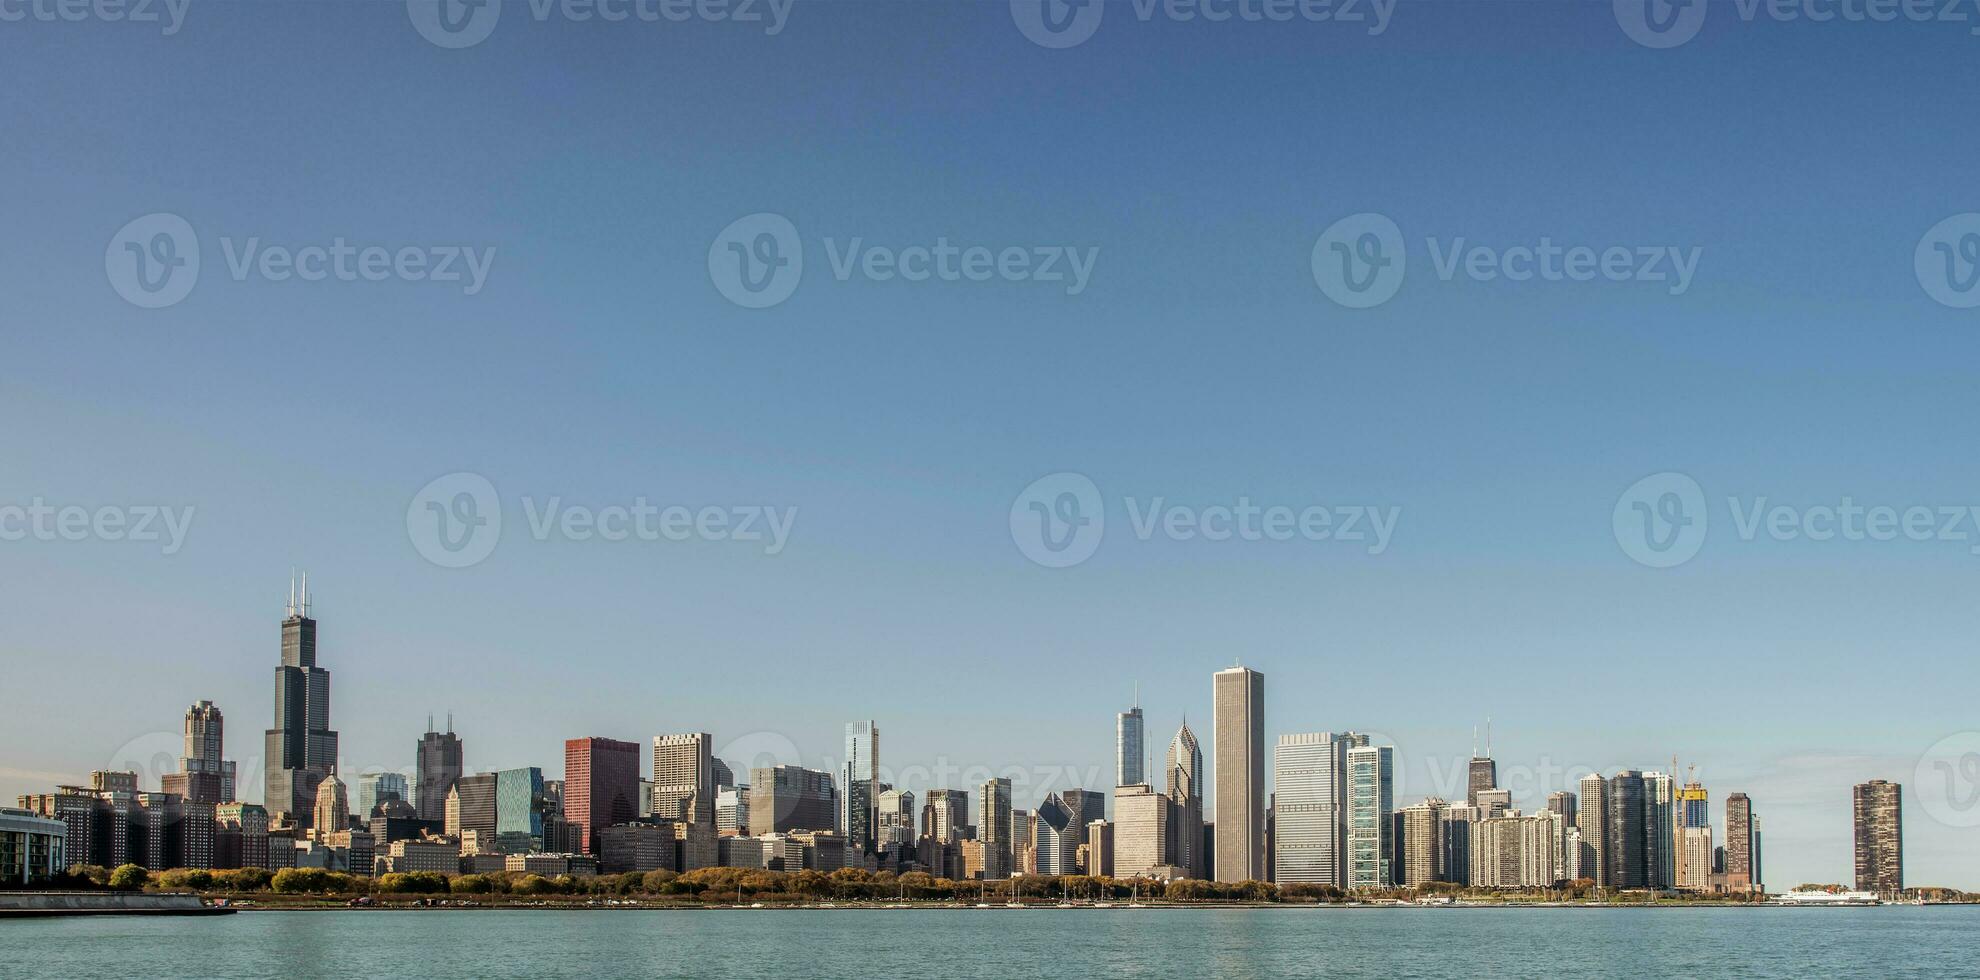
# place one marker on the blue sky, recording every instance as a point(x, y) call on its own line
point(1201, 364)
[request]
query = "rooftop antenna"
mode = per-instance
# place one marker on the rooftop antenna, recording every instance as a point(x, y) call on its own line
point(1474, 741)
point(291, 607)
point(1137, 694)
point(429, 721)
point(1488, 736)
point(305, 594)
point(450, 721)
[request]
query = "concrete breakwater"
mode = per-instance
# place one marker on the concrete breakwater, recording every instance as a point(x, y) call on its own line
point(21, 904)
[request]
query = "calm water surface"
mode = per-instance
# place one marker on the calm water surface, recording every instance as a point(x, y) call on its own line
point(1006, 944)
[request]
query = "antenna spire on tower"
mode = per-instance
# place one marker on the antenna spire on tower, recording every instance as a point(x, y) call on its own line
point(290, 609)
point(305, 594)
point(1488, 736)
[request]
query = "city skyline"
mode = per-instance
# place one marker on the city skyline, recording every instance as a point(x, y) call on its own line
point(685, 769)
point(1203, 366)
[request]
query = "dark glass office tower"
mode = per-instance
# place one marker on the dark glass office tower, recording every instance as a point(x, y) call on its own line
point(1627, 836)
point(438, 767)
point(301, 749)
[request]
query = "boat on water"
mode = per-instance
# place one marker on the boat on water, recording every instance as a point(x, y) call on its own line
point(1826, 899)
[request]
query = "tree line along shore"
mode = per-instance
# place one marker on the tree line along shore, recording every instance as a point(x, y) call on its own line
point(302, 887)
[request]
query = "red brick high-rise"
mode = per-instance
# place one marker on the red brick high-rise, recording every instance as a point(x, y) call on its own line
point(601, 786)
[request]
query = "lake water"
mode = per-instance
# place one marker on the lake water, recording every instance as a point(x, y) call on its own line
point(1006, 943)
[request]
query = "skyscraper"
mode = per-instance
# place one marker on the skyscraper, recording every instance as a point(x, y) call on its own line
point(1879, 807)
point(1055, 837)
point(993, 828)
point(1141, 830)
point(684, 777)
point(1593, 819)
point(785, 799)
point(472, 805)
point(1739, 843)
point(896, 817)
point(439, 764)
point(1128, 750)
point(1370, 815)
point(1455, 832)
point(601, 786)
point(1086, 806)
point(1483, 773)
point(861, 776)
point(376, 787)
point(1023, 845)
point(1628, 837)
point(1310, 808)
point(1423, 846)
point(946, 813)
point(1563, 803)
point(1184, 776)
point(1239, 705)
point(332, 808)
point(732, 811)
point(203, 776)
point(521, 806)
point(301, 749)
point(1660, 829)
point(1692, 812)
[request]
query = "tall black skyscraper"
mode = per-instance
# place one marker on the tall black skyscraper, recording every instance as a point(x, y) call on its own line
point(301, 748)
point(1631, 851)
point(438, 768)
point(1483, 773)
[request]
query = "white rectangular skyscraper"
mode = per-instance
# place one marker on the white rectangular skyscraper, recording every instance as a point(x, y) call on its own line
point(1309, 809)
